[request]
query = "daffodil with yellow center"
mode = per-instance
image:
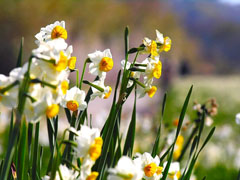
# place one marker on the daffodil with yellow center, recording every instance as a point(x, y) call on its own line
point(174, 170)
point(101, 62)
point(72, 105)
point(106, 64)
point(92, 176)
point(151, 92)
point(166, 45)
point(157, 70)
point(59, 32)
point(96, 148)
point(74, 99)
point(107, 94)
point(150, 169)
point(52, 110)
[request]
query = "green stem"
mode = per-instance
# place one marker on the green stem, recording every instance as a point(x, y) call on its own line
point(9, 87)
point(93, 85)
point(138, 82)
point(83, 72)
point(44, 83)
point(77, 77)
point(137, 69)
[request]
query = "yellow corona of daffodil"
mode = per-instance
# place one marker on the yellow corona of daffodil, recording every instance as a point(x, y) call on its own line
point(52, 110)
point(93, 176)
point(59, 32)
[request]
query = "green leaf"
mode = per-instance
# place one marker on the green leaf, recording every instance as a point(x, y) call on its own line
point(129, 142)
point(50, 128)
point(165, 172)
point(35, 152)
point(10, 152)
point(184, 109)
point(68, 114)
point(157, 140)
point(207, 139)
point(22, 148)
point(20, 54)
point(193, 146)
point(166, 153)
point(191, 166)
point(101, 162)
point(126, 40)
point(118, 153)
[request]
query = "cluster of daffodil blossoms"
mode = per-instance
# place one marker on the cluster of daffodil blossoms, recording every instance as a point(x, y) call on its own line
point(47, 88)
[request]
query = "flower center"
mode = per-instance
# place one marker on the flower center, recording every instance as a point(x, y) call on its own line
point(153, 49)
point(59, 32)
point(72, 63)
point(150, 169)
point(96, 149)
point(52, 110)
point(157, 71)
point(106, 64)
point(108, 93)
point(72, 105)
point(92, 176)
point(62, 63)
point(152, 91)
point(64, 86)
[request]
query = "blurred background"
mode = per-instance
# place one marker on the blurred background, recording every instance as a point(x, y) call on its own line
point(205, 52)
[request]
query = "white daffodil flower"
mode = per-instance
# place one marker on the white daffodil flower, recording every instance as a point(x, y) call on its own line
point(150, 48)
point(150, 90)
point(89, 143)
point(46, 106)
point(150, 166)
point(164, 41)
point(10, 97)
point(126, 168)
point(174, 171)
point(74, 99)
point(153, 70)
point(107, 90)
point(102, 62)
point(52, 31)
